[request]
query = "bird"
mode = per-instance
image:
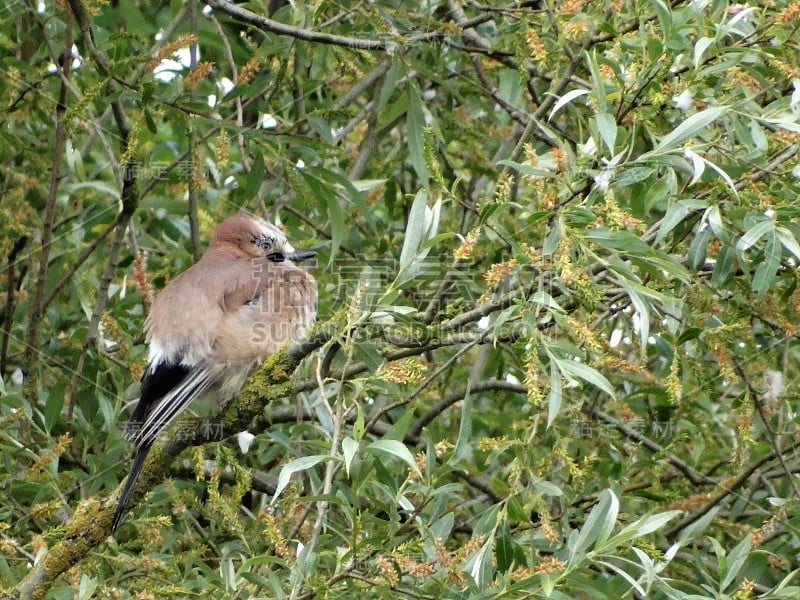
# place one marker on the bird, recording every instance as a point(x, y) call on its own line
point(213, 325)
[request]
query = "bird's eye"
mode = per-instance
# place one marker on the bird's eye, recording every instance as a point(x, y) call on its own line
point(265, 242)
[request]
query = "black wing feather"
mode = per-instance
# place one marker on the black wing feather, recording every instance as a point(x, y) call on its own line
point(157, 382)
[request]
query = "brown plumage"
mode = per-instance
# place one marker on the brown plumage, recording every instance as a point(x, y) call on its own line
point(215, 323)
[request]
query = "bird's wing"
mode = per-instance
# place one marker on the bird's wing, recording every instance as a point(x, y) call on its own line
point(170, 406)
point(182, 326)
point(186, 314)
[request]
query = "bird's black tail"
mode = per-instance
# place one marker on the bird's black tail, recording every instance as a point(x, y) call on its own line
point(130, 485)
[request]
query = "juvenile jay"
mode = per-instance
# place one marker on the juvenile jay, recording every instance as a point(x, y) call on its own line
point(216, 323)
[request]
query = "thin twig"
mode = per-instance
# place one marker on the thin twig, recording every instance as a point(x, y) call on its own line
point(773, 439)
point(37, 305)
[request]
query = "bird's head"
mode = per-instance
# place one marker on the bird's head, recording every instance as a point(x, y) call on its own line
point(258, 237)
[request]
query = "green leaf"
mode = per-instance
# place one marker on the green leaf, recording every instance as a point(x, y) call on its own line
point(571, 368)
point(713, 217)
point(700, 48)
point(689, 128)
point(664, 16)
point(723, 269)
point(644, 526)
point(566, 99)
point(788, 241)
point(415, 230)
point(632, 175)
point(255, 177)
point(337, 221)
point(698, 164)
point(598, 82)
point(415, 124)
point(349, 449)
point(390, 83)
point(295, 466)
point(766, 270)
point(725, 177)
point(463, 450)
point(597, 527)
point(755, 233)
point(396, 449)
point(676, 213)
point(555, 396)
point(480, 564)
point(607, 126)
point(87, 587)
point(525, 170)
point(503, 548)
point(697, 249)
point(694, 530)
point(735, 561)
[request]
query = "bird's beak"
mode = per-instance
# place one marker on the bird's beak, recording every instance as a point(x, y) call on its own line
point(294, 255)
point(299, 255)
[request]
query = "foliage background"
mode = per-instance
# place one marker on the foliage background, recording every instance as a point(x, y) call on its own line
point(558, 273)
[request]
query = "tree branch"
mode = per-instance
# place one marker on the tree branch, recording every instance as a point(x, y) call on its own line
point(266, 24)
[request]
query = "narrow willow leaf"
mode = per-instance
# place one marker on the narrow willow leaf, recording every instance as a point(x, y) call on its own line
point(632, 175)
point(337, 220)
point(462, 451)
point(755, 233)
point(349, 449)
point(526, 169)
point(698, 247)
point(390, 84)
point(713, 217)
point(480, 565)
point(598, 525)
point(642, 311)
point(736, 559)
point(725, 177)
point(566, 99)
point(415, 123)
point(766, 270)
point(698, 165)
point(555, 396)
point(626, 576)
point(415, 230)
point(590, 375)
point(789, 241)
point(608, 518)
point(664, 16)
point(396, 449)
point(598, 82)
point(689, 128)
point(255, 177)
point(607, 127)
point(700, 48)
point(503, 548)
point(696, 529)
point(295, 466)
point(676, 213)
point(723, 269)
point(644, 526)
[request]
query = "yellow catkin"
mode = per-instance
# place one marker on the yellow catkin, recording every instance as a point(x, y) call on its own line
point(464, 250)
point(222, 148)
point(197, 75)
point(499, 271)
point(248, 71)
point(140, 276)
point(549, 565)
point(789, 15)
point(170, 48)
